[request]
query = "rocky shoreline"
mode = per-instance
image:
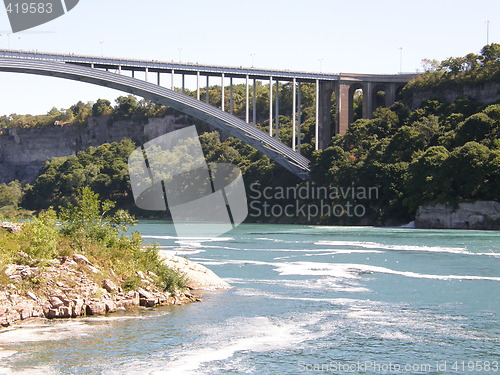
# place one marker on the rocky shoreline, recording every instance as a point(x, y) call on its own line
point(66, 289)
point(479, 215)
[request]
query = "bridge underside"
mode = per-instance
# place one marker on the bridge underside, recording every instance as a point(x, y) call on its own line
point(227, 123)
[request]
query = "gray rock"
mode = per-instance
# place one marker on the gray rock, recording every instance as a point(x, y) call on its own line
point(64, 312)
point(198, 276)
point(109, 285)
point(81, 259)
point(144, 294)
point(110, 306)
point(96, 308)
point(55, 302)
point(477, 215)
point(77, 308)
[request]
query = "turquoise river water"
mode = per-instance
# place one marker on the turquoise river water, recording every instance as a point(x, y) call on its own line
point(305, 300)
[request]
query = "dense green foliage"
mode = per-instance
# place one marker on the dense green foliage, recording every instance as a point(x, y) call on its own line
point(89, 228)
point(10, 194)
point(458, 71)
point(439, 152)
point(126, 107)
point(103, 169)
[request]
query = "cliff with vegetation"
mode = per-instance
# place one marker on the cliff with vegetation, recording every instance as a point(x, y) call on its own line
point(443, 150)
point(25, 149)
point(474, 76)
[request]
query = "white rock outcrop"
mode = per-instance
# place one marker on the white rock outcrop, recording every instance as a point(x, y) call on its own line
point(198, 276)
point(482, 215)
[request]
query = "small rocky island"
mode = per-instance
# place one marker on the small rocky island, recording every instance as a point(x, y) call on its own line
point(81, 261)
point(70, 289)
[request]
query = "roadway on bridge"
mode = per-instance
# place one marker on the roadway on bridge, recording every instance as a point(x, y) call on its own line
point(227, 123)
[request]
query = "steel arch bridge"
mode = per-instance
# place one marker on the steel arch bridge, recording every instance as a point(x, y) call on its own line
point(227, 123)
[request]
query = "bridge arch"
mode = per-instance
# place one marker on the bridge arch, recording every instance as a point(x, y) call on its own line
point(353, 90)
point(379, 96)
point(277, 151)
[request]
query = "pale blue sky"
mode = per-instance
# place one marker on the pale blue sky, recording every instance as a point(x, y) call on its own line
point(362, 36)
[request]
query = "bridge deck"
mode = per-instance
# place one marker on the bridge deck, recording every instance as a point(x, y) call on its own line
point(282, 154)
point(204, 70)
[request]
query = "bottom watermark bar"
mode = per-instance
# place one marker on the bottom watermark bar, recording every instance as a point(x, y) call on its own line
point(335, 367)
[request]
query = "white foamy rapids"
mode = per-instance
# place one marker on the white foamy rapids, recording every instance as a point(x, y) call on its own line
point(191, 239)
point(65, 329)
point(363, 318)
point(327, 252)
point(258, 334)
point(376, 245)
point(46, 332)
point(324, 283)
point(211, 262)
point(42, 370)
point(179, 252)
point(4, 353)
point(351, 271)
point(398, 322)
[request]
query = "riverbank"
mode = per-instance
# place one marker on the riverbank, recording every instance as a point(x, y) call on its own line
point(67, 287)
point(479, 215)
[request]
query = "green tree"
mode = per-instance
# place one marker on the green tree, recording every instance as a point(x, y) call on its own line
point(11, 194)
point(102, 107)
point(125, 106)
point(42, 235)
point(428, 180)
point(90, 220)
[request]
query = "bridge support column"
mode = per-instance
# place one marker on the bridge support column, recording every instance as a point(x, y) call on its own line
point(324, 134)
point(299, 116)
point(390, 94)
point(247, 101)
point(231, 106)
point(222, 89)
point(198, 85)
point(316, 125)
point(270, 106)
point(277, 110)
point(294, 112)
point(146, 74)
point(183, 84)
point(367, 100)
point(254, 98)
point(343, 106)
point(158, 79)
point(207, 89)
point(172, 77)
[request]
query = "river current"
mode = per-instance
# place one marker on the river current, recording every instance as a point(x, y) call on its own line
point(305, 300)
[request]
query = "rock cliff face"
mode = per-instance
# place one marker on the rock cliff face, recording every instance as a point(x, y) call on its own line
point(478, 215)
point(23, 152)
point(486, 93)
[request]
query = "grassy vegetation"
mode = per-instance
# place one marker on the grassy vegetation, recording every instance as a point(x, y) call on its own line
point(88, 228)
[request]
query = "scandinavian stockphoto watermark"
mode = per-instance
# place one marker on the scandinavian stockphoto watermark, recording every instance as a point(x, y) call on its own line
point(310, 201)
point(203, 199)
point(26, 14)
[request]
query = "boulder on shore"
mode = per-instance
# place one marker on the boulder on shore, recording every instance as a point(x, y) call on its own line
point(198, 276)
